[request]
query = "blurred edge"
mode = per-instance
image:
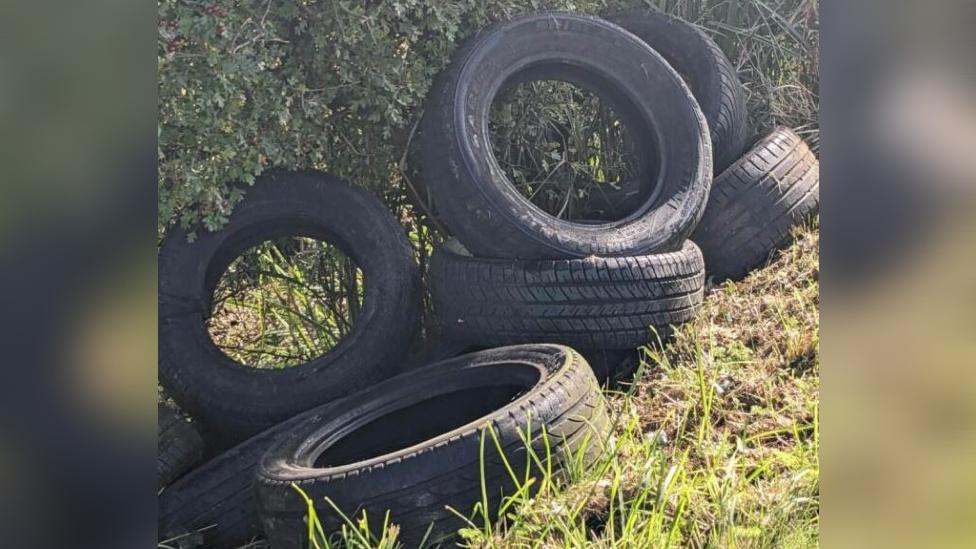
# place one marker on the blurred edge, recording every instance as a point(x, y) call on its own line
point(898, 259)
point(77, 266)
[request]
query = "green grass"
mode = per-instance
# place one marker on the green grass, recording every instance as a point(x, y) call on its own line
point(715, 442)
point(285, 302)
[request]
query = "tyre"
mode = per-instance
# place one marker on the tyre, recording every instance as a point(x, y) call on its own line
point(436, 350)
point(478, 203)
point(612, 367)
point(707, 71)
point(179, 445)
point(756, 202)
point(414, 445)
point(217, 498)
point(235, 400)
point(591, 303)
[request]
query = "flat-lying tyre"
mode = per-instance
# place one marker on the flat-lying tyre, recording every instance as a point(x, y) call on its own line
point(590, 303)
point(756, 202)
point(235, 400)
point(215, 501)
point(478, 202)
point(706, 69)
point(179, 445)
point(416, 444)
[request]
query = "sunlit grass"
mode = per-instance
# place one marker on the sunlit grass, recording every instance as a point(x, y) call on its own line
point(714, 444)
point(285, 302)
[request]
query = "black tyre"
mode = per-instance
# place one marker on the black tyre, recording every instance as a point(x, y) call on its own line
point(480, 205)
point(413, 446)
point(756, 202)
point(612, 366)
point(217, 498)
point(179, 445)
point(435, 350)
point(236, 400)
point(591, 303)
point(708, 72)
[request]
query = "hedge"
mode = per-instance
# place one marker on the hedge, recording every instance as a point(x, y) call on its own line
point(339, 85)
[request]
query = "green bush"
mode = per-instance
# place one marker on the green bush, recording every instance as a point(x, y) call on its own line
point(339, 85)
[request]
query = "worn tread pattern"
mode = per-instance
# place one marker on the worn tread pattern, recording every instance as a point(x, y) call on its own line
point(708, 72)
point(756, 202)
point(591, 303)
point(179, 445)
point(565, 410)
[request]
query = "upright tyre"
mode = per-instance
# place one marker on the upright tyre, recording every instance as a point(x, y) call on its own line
point(474, 197)
point(591, 303)
point(418, 444)
point(706, 69)
point(179, 445)
point(756, 202)
point(236, 400)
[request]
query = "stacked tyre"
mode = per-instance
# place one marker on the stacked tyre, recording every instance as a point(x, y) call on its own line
point(756, 202)
point(517, 274)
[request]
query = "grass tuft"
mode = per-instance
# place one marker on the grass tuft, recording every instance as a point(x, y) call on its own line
point(715, 443)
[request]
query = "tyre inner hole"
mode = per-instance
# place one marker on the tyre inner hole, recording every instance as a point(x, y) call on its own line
point(419, 422)
point(285, 302)
point(567, 151)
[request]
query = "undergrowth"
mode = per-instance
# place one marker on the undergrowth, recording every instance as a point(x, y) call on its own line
point(285, 302)
point(715, 441)
point(563, 148)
